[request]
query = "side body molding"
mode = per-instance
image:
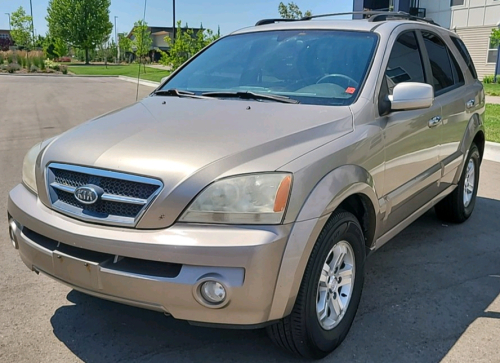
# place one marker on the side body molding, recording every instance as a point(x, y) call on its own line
point(334, 188)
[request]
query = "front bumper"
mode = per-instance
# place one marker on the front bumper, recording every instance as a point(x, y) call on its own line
point(154, 269)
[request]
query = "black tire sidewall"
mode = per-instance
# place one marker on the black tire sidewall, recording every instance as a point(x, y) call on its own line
point(346, 229)
point(474, 155)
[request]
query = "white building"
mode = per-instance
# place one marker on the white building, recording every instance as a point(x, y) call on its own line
point(473, 20)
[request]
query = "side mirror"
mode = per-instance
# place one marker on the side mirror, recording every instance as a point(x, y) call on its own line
point(411, 96)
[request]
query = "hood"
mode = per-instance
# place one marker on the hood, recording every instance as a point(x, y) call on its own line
point(187, 143)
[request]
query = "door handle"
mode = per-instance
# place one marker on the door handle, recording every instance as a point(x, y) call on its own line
point(470, 103)
point(435, 121)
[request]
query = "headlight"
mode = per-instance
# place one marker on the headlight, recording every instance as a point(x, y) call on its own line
point(246, 199)
point(29, 164)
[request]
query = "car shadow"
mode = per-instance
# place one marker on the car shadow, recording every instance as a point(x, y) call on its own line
point(422, 290)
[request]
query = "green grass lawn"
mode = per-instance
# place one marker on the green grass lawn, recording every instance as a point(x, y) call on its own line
point(492, 123)
point(492, 89)
point(151, 74)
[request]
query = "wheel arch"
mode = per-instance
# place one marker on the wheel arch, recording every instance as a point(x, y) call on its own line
point(480, 141)
point(474, 133)
point(349, 187)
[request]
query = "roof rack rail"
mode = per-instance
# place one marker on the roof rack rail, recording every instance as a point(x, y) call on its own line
point(399, 15)
point(373, 16)
point(272, 21)
point(374, 12)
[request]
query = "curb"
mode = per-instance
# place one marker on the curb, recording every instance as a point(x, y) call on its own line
point(141, 82)
point(492, 151)
point(54, 75)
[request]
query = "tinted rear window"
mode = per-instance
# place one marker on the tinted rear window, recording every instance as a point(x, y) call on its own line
point(462, 49)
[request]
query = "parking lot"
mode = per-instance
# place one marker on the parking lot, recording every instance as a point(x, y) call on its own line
point(432, 294)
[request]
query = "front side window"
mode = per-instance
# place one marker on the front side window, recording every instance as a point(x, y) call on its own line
point(405, 63)
point(456, 2)
point(323, 67)
point(441, 65)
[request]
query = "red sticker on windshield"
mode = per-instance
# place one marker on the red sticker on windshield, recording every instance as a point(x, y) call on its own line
point(350, 90)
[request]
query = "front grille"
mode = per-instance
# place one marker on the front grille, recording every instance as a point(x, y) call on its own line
point(101, 208)
point(124, 197)
point(119, 187)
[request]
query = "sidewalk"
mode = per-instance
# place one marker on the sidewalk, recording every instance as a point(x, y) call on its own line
point(164, 68)
point(493, 99)
point(492, 151)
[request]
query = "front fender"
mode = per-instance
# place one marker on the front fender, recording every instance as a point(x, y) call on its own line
point(327, 195)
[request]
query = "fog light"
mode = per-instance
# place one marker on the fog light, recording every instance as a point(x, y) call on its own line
point(213, 292)
point(12, 233)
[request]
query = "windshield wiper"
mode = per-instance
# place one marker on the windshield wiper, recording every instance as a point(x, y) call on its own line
point(248, 95)
point(177, 93)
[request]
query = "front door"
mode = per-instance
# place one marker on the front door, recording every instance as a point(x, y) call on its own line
point(412, 138)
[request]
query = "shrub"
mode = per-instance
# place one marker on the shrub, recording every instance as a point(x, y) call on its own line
point(36, 58)
point(42, 64)
point(63, 69)
point(51, 64)
point(33, 68)
point(64, 59)
point(10, 57)
point(28, 63)
point(488, 79)
point(39, 62)
point(13, 67)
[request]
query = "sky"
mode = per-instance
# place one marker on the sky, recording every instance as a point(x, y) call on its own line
point(229, 15)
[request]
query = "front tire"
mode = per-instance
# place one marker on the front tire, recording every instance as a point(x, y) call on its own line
point(329, 294)
point(459, 205)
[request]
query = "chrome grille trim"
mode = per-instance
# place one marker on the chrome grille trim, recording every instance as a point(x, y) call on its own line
point(105, 196)
point(125, 199)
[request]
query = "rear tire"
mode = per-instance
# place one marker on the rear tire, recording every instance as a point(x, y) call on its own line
point(459, 205)
point(326, 303)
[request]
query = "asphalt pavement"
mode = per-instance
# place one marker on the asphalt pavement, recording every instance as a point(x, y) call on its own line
point(431, 294)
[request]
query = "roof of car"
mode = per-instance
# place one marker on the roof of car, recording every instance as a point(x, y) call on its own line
point(337, 24)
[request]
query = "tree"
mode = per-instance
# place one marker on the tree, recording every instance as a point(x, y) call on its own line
point(60, 47)
point(142, 41)
point(49, 47)
point(39, 41)
point(22, 28)
point(124, 43)
point(187, 43)
point(495, 38)
point(55, 47)
point(80, 23)
point(291, 11)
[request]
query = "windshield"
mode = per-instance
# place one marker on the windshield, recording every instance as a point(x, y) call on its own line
point(320, 67)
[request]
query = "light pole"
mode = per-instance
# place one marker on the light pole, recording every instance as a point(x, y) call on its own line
point(116, 41)
point(174, 25)
point(32, 24)
point(8, 14)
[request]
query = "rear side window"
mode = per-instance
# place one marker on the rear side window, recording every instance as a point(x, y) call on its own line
point(458, 76)
point(405, 63)
point(441, 65)
point(462, 49)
